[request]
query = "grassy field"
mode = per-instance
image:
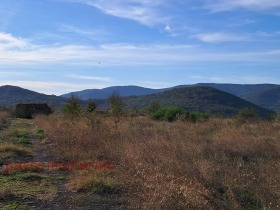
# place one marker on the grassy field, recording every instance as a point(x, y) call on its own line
point(23, 189)
point(218, 164)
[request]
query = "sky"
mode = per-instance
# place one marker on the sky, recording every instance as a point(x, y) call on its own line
point(60, 46)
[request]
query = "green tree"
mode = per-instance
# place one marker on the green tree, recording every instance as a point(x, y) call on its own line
point(72, 108)
point(116, 106)
point(91, 106)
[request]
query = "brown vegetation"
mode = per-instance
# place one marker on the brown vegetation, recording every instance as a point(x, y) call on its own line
point(218, 164)
point(4, 118)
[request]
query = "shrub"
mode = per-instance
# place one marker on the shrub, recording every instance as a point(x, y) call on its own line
point(72, 108)
point(247, 114)
point(91, 106)
point(193, 116)
point(277, 117)
point(116, 106)
point(166, 113)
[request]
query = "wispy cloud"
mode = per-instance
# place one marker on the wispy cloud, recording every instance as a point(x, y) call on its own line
point(244, 79)
point(14, 74)
point(143, 11)
point(7, 42)
point(14, 52)
point(219, 37)
point(101, 79)
point(226, 5)
point(243, 22)
point(89, 33)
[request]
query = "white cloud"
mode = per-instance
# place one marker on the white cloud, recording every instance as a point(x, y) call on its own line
point(143, 11)
point(219, 37)
point(155, 85)
point(7, 41)
point(167, 28)
point(101, 79)
point(226, 5)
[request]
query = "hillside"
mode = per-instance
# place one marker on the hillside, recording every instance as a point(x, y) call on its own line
point(268, 98)
point(253, 93)
point(263, 95)
point(10, 96)
point(106, 92)
point(203, 99)
point(239, 89)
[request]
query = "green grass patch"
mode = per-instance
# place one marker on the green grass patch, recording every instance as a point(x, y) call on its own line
point(103, 185)
point(59, 177)
point(15, 205)
point(21, 136)
point(28, 177)
point(40, 134)
point(28, 185)
point(15, 149)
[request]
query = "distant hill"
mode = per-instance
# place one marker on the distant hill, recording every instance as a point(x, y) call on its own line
point(253, 93)
point(264, 95)
point(239, 89)
point(106, 92)
point(268, 98)
point(10, 96)
point(203, 99)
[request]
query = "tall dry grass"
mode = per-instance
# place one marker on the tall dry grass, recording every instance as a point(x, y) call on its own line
point(4, 118)
point(209, 165)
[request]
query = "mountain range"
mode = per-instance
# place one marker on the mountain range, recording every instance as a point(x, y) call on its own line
point(196, 98)
point(225, 99)
point(264, 95)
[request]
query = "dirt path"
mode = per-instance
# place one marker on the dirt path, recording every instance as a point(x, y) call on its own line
point(60, 197)
point(64, 197)
point(42, 190)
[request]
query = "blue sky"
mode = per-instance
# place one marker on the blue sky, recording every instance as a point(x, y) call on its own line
point(59, 46)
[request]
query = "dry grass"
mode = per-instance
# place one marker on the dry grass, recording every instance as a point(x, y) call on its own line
point(209, 165)
point(15, 149)
point(4, 118)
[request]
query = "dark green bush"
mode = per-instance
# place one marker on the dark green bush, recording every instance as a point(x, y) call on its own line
point(247, 114)
point(72, 108)
point(91, 106)
point(166, 113)
point(193, 116)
